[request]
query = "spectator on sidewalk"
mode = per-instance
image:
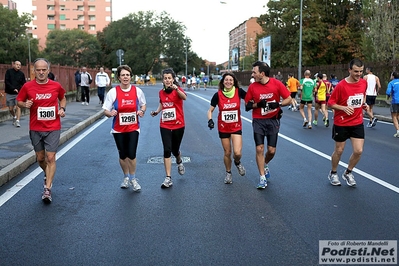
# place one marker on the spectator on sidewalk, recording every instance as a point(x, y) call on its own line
point(14, 80)
point(393, 92)
point(373, 87)
point(85, 80)
point(45, 122)
point(102, 81)
point(77, 83)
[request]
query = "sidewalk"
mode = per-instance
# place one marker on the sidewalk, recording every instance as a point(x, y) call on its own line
point(16, 151)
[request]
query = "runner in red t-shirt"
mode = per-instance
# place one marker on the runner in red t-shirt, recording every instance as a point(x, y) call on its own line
point(126, 103)
point(172, 124)
point(348, 101)
point(228, 99)
point(46, 100)
point(263, 96)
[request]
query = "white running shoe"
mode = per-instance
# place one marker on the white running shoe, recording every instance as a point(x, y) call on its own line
point(241, 169)
point(125, 183)
point(136, 186)
point(181, 169)
point(228, 179)
point(167, 182)
point(334, 180)
point(349, 178)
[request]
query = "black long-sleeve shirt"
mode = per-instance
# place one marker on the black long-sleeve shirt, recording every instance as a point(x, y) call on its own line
point(14, 80)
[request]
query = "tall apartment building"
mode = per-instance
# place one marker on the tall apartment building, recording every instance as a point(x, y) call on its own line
point(88, 15)
point(243, 37)
point(8, 3)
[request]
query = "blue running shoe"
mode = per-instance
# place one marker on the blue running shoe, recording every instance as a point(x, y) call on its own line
point(262, 183)
point(267, 172)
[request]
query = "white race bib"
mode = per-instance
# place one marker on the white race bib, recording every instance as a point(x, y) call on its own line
point(229, 116)
point(126, 119)
point(46, 113)
point(355, 101)
point(169, 114)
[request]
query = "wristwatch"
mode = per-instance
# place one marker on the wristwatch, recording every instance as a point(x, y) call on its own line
point(63, 108)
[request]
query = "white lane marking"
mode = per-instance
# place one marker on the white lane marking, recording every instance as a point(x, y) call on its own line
point(325, 156)
point(27, 179)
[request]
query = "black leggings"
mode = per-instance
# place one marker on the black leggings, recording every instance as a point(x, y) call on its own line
point(171, 140)
point(127, 144)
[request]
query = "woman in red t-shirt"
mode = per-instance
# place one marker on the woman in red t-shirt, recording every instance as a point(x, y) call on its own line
point(228, 99)
point(172, 124)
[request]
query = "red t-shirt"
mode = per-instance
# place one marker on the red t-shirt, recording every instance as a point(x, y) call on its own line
point(44, 111)
point(229, 118)
point(272, 91)
point(172, 116)
point(349, 94)
point(126, 104)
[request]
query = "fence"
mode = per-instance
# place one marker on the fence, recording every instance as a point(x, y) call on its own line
point(63, 74)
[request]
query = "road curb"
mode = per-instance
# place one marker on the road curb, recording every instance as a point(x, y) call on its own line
point(22, 163)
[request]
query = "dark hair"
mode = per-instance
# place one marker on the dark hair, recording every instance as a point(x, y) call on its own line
point(320, 75)
point(355, 62)
point(221, 85)
point(263, 67)
point(123, 67)
point(370, 69)
point(170, 71)
point(395, 75)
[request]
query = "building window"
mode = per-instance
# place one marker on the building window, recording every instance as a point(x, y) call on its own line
point(49, 17)
point(62, 27)
point(81, 17)
point(62, 17)
point(62, 7)
point(81, 27)
point(92, 27)
point(92, 17)
point(50, 7)
point(92, 8)
point(80, 8)
point(50, 26)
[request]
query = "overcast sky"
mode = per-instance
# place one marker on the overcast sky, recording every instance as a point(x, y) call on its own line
point(208, 23)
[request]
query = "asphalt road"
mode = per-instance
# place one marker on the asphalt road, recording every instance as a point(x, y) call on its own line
point(200, 220)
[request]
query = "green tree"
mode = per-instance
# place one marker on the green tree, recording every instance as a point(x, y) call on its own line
point(331, 31)
point(73, 48)
point(150, 41)
point(14, 42)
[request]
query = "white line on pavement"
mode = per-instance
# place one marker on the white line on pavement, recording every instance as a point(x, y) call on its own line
point(325, 156)
point(27, 179)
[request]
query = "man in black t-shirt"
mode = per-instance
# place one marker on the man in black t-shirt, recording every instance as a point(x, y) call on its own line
point(14, 80)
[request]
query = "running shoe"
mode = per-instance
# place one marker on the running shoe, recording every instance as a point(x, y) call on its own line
point(17, 124)
point(326, 123)
point(262, 183)
point(349, 178)
point(267, 172)
point(334, 179)
point(396, 135)
point(125, 183)
point(83, 103)
point(315, 122)
point(86, 103)
point(228, 179)
point(374, 121)
point(305, 123)
point(241, 169)
point(14, 119)
point(368, 124)
point(46, 197)
point(167, 182)
point(289, 107)
point(310, 126)
point(181, 169)
point(136, 186)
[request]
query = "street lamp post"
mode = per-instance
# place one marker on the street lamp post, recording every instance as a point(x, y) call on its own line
point(300, 43)
point(186, 55)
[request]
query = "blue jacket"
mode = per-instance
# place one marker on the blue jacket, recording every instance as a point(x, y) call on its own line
point(393, 90)
point(77, 78)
